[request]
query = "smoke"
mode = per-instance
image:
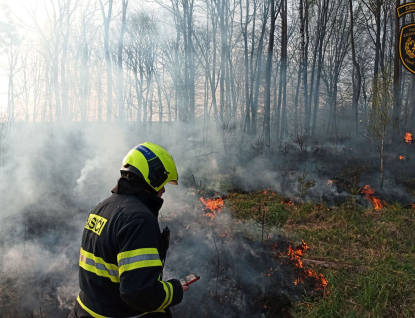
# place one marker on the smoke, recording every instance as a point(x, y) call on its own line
point(54, 176)
point(238, 275)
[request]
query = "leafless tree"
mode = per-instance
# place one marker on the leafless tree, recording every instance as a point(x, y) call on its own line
point(120, 46)
point(381, 116)
point(107, 19)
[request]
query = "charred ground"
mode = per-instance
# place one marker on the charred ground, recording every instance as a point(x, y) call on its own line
point(242, 252)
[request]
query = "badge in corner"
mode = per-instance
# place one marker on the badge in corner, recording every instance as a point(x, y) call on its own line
point(407, 47)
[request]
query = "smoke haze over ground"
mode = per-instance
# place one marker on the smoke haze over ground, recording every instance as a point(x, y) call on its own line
point(53, 176)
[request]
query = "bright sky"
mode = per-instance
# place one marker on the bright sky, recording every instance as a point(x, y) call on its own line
point(14, 11)
point(18, 11)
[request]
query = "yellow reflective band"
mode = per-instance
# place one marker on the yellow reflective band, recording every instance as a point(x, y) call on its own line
point(95, 223)
point(171, 294)
point(89, 311)
point(95, 315)
point(98, 266)
point(139, 258)
point(166, 289)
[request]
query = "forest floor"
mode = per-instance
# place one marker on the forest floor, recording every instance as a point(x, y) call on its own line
point(367, 255)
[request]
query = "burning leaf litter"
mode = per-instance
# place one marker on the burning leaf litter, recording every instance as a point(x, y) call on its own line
point(214, 205)
point(377, 203)
point(296, 252)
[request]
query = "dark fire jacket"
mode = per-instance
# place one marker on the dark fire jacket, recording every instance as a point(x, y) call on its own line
point(122, 257)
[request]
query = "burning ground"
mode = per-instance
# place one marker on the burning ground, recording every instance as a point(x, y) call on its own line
point(241, 275)
point(265, 239)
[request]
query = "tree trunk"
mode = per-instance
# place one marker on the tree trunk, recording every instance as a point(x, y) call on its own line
point(159, 98)
point(382, 160)
point(84, 74)
point(64, 84)
point(120, 88)
point(247, 126)
point(397, 103)
point(107, 20)
point(377, 43)
point(304, 49)
point(55, 72)
point(192, 92)
point(356, 77)
point(322, 35)
point(258, 72)
point(297, 93)
point(221, 8)
point(267, 110)
point(283, 79)
point(99, 92)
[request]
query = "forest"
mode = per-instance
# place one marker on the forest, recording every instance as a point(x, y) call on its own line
point(274, 68)
point(290, 122)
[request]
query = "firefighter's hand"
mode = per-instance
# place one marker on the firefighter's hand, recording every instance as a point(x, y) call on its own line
point(185, 288)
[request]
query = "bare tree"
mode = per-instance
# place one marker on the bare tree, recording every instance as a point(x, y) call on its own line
point(357, 79)
point(267, 111)
point(258, 66)
point(304, 34)
point(87, 34)
point(396, 76)
point(65, 22)
point(107, 19)
point(381, 116)
point(326, 9)
point(335, 61)
point(120, 95)
point(12, 51)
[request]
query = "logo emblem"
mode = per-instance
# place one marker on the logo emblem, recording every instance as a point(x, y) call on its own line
point(407, 47)
point(95, 223)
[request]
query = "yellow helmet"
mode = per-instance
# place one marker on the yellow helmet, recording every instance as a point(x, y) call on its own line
point(151, 163)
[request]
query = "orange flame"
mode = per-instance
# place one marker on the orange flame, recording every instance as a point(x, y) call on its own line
point(295, 253)
point(268, 191)
point(408, 137)
point(287, 202)
point(402, 157)
point(377, 203)
point(214, 205)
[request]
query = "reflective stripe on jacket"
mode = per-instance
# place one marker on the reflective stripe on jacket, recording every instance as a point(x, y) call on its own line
point(121, 259)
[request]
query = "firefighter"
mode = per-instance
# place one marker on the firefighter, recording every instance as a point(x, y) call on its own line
point(122, 250)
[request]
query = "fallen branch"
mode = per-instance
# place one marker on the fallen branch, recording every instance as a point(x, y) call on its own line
point(324, 264)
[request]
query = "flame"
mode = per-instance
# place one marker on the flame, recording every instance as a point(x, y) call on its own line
point(268, 191)
point(214, 205)
point(377, 203)
point(408, 137)
point(287, 202)
point(402, 157)
point(295, 253)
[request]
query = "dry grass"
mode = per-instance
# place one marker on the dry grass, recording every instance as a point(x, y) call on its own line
point(378, 245)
